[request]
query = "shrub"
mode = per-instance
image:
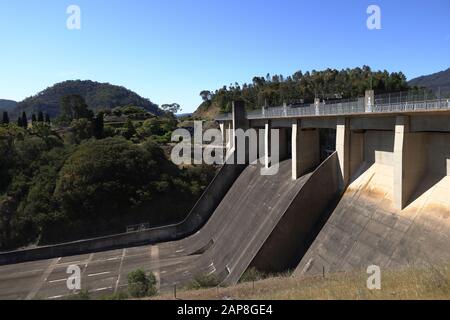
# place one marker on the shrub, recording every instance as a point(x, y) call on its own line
point(141, 284)
point(116, 296)
point(82, 295)
point(204, 281)
point(252, 274)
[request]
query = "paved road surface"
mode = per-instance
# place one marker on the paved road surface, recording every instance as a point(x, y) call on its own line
point(225, 246)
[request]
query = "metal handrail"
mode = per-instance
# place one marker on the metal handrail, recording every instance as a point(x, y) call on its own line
point(346, 107)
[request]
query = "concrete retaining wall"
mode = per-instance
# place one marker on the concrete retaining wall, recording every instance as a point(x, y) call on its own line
point(305, 150)
point(438, 154)
point(197, 217)
point(379, 147)
point(293, 234)
point(356, 151)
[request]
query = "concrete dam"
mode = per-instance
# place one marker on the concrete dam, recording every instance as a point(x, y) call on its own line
point(392, 204)
point(360, 182)
point(225, 246)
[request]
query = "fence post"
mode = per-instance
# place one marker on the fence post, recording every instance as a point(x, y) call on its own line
point(316, 106)
point(369, 100)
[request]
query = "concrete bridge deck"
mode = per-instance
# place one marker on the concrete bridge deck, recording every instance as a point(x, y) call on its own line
point(368, 105)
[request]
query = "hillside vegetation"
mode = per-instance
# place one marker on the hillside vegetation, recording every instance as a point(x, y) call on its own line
point(98, 96)
point(300, 88)
point(7, 105)
point(439, 81)
point(413, 282)
point(84, 178)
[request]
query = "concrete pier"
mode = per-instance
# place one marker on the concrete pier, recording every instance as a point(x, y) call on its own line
point(305, 150)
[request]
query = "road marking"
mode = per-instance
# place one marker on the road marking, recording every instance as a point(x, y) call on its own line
point(98, 274)
point(43, 279)
point(55, 297)
point(70, 263)
point(213, 269)
point(154, 253)
point(59, 280)
point(100, 289)
point(179, 251)
point(12, 274)
point(91, 256)
point(120, 270)
point(112, 259)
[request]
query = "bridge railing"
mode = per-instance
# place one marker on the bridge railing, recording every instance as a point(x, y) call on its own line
point(388, 103)
point(406, 96)
point(438, 104)
point(346, 107)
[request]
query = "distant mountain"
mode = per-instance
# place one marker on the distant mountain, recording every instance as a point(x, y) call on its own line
point(435, 81)
point(182, 115)
point(7, 105)
point(98, 96)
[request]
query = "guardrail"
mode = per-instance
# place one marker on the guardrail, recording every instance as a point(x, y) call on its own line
point(356, 106)
point(440, 104)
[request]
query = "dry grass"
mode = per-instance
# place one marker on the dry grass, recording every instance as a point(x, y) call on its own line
point(409, 283)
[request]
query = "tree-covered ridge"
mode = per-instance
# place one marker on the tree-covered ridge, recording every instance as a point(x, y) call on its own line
point(302, 88)
point(7, 105)
point(99, 96)
point(438, 82)
point(81, 177)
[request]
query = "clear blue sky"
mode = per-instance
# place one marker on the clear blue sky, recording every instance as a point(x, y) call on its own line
point(170, 50)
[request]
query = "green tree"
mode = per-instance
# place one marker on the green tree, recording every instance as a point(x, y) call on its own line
point(74, 107)
point(303, 87)
point(157, 127)
point(33, 119)
point(141, 284)
point(47, 118)
point(129, 129)
point(24, 120)
point(7, 208)
point(5, 118)
point(206, 95)
point(172, 108)
point(107, 177)
point(81, 129)
point(40, 117)
point(129, 110)
point(98, 126)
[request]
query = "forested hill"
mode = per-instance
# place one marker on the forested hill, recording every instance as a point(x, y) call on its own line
point(97, 96)
point(436, 81)
point(7, 105)
point(300, 87)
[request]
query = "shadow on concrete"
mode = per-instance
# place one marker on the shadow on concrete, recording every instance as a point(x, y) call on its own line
point(428, 182)
point(363, 167)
